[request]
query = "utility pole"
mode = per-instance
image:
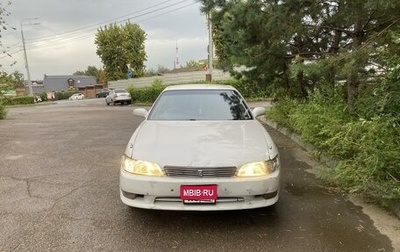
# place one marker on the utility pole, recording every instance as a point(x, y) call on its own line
point(176, 65)
point(210, 49)
point(26, 56)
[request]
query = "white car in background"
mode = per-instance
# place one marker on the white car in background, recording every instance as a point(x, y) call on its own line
point(120, 96)
point(77, 96)
point(200, 148)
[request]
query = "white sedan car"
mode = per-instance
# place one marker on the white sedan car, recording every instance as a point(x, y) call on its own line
point(200, 148)
point(120, 96)
point(77, 96)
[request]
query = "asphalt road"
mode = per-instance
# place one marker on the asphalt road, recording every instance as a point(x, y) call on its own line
point(59, 168)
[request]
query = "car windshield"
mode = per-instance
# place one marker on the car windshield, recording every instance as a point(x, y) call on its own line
point(120, 91)
point(200, 105)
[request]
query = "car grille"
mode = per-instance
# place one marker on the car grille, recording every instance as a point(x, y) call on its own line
point(200, 172)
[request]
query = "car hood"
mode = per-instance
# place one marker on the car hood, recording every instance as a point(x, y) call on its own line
point(201, 143)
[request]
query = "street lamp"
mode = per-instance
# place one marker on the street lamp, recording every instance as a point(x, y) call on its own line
point(26, 57)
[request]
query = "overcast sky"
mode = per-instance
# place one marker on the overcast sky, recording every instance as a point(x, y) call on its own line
point(63, 42)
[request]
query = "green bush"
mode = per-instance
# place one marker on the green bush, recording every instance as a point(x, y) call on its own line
point(149, 94)
point(373, 169)
point(64, 95)
point(368, 148)
point(3, 111)
point(23, 100)
point(146, 94)
point(43, 96)
point(5, 100)
point(320, 119)
point(281, 111)
point(381, 99)
point(253, 91)
point(20, 100)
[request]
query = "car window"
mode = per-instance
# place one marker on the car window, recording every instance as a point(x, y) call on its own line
point(200, 105)
point(120, 91)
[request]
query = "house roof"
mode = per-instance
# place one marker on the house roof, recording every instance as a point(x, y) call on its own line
point(61, 82)
point(67, 77)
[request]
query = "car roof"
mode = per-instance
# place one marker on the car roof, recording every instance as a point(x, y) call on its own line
point(199, 87)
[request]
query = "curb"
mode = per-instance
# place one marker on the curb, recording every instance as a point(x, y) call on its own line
point(393, 206)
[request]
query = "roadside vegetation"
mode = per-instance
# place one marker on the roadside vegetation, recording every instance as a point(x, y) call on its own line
point(9, 84)
point(333, 70)
point(147, 95)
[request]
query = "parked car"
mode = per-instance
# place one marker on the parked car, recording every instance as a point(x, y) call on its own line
point(38, 99)
point(120, 96)
point(103, 93)
point(200, 148)
point(77, 96)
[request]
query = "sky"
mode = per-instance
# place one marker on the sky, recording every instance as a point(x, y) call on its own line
point(59, 34)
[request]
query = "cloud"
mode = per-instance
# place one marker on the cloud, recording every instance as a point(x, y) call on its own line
point(64, 41)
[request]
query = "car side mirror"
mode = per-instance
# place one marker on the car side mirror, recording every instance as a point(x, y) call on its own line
point(141, 112)
point(258, 111)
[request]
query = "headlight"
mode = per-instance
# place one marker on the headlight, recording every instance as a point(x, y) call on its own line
point(258, 168)
point(141, 167)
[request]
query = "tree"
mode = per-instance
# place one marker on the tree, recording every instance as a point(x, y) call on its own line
point(159, 71)
point(120, 48)
point(17, 80)
point(90, 71)
point(7, 82)
point(192, 64)
point(277, 40)
point(3, 14)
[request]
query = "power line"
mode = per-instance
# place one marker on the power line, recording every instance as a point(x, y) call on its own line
point(142, 20)
point(84, 34)
point(91, 27)
point(87, 31)
point(77, 33)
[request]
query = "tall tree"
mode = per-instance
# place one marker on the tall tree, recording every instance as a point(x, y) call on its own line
point(192, 64)
point(121, 48)
point(7, 81)
point(90, 71)
point(277, 40)
point(3, 14)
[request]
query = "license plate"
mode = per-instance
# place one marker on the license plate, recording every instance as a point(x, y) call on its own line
point(199, 193)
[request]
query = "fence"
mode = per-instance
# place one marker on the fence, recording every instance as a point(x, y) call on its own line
point(170, 78)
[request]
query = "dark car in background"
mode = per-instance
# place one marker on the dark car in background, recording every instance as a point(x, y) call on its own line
point(103, 93)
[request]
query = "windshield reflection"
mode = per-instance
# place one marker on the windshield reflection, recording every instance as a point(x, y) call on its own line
point(200, 105)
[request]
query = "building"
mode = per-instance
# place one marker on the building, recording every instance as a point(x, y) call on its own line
point(57, 83)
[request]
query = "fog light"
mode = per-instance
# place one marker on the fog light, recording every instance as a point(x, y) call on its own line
point(129, 195)
point(270, 195)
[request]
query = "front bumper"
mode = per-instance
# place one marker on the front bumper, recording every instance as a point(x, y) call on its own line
point(162, 193)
